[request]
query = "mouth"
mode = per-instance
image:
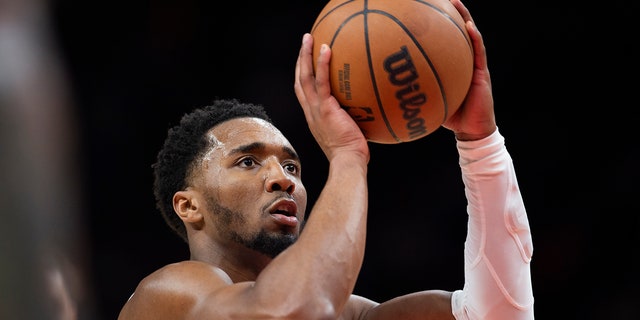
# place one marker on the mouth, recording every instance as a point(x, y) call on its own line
point(285, 211)
point(285, 207)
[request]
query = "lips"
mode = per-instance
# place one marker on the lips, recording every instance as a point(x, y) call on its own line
point(284, 212)
point(286, 207)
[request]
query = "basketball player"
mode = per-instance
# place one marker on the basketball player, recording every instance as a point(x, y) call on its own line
point(229, 183)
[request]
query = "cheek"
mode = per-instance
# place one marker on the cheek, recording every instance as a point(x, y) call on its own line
point(240, 194)
point(241, 202)
point(301, 199)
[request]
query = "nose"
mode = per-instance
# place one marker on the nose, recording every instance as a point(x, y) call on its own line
point(278, 180)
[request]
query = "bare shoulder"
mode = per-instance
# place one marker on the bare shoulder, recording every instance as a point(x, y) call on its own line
point(431, 304)
point(357, 307)
point(173, 291)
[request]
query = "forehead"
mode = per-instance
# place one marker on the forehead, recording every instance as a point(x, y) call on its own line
point(243, 131)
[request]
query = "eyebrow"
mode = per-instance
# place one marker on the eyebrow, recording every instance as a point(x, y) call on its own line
point(261, 146)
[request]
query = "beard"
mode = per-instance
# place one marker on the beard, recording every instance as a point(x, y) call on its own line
point(270, 245)
point(231, 223)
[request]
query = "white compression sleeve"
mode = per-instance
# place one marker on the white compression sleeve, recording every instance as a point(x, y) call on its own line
point(498, 246)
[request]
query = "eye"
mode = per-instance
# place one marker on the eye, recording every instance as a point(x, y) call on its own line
point(247, 162)
point(291, 168)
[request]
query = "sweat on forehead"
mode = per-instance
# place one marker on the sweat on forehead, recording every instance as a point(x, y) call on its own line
point(245, 129)
point(242, 133)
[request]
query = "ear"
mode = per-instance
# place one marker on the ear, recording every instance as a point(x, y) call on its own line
point(187, 206)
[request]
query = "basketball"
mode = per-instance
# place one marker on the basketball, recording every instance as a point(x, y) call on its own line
point(400, 68)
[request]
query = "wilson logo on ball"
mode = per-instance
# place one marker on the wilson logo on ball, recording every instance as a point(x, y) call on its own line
point(403, 73)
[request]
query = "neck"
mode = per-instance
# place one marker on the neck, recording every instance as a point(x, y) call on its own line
point(240, 263)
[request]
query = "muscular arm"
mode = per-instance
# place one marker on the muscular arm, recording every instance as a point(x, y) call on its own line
point(498, 248)
point(497, 253)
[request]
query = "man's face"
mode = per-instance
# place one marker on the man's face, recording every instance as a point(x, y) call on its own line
point(252, 184)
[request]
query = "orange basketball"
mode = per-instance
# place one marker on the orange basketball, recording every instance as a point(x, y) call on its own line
point(400, 68)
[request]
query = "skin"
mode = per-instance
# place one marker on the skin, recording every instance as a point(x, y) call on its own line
point(231, 196)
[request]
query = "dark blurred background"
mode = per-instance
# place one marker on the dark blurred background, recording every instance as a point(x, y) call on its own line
point(563, 74)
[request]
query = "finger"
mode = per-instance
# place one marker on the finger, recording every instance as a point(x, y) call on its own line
point(323, 86)
point(480, 57)
point(462, 9)
point(301, 72)
point(300, 60)
point(481, 75)
point(306, 76)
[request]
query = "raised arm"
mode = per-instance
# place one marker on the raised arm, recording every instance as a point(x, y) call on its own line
point(330, 250)
point(498, 246)
point(315, 276)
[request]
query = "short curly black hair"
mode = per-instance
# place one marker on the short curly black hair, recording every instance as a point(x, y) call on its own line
point(185, 145)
